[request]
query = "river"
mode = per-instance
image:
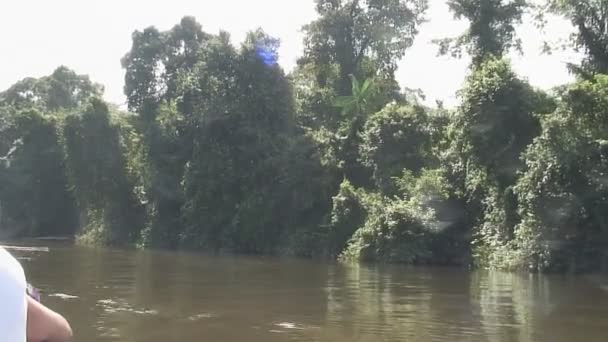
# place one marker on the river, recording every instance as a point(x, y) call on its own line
point(157, 296)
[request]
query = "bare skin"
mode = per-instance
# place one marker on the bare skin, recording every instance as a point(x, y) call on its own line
point(45, 325)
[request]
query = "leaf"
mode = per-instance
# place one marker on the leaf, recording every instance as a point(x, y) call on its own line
point(344, 101)
point(355, 87)
point(365, 86)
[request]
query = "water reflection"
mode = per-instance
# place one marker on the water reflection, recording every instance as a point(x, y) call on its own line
point(397, 304)
point(503, 304)
point(115, 295)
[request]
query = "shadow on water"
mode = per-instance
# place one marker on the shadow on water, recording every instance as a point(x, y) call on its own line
point(125, 295)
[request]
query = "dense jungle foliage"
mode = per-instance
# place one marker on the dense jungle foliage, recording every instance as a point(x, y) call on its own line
point(221, 151)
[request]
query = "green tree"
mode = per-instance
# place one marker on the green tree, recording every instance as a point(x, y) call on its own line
point(394, 139)
point(563, 192)
point(96, 164)
point(589, 17)
point(157, 62)
point(351, 33)
point(400, 229)
point(347, 73)
point(495, 123)
point(63, 89)
point(496, 119)
point(237, 188)
point(158, 73)
point(33, 186)
point(355, 111)
point(348, 214)
point(491, 30)
point(35, 194)
point(7, 130)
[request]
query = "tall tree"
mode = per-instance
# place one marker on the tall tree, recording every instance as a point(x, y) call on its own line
point(564, 193)
point(156, 62)
point(237, 184)
point(494, 124)
point(63, 89)
point(497, 119)
point(34, 188)
point(352, 33)
point(352, 43)
point(590, 17)
point(34, 196)
point(96, 165)
point(491, 28)
point(158, 69)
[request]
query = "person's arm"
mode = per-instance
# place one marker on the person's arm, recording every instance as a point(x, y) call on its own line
point(45, 325)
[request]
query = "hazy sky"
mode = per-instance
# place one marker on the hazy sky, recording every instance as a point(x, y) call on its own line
point(90, 37)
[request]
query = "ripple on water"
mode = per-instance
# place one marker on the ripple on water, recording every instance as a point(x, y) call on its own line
point(120, 305)
point(200, 316)
point(289, 325)
point(63, 296)
point(108, 332)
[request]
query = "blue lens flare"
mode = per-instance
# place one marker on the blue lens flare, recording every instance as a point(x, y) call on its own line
point(268, 55)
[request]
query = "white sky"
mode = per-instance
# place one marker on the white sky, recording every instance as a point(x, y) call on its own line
point(90, 37)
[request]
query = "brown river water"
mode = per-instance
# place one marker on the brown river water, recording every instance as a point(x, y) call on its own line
point(125, 295)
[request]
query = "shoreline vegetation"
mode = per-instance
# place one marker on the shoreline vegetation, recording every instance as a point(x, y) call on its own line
point(220, 151)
